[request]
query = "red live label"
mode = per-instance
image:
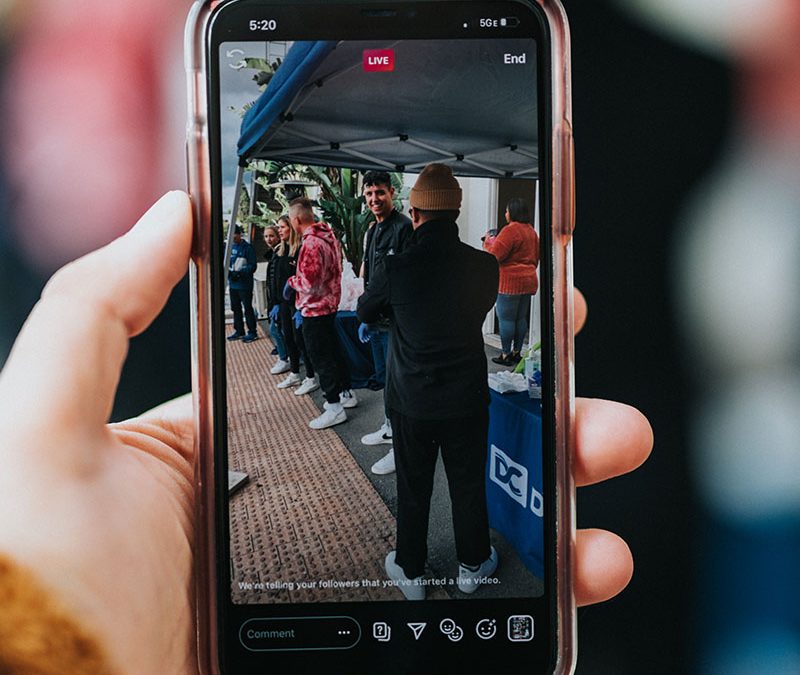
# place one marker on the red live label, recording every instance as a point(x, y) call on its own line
point(378, 60)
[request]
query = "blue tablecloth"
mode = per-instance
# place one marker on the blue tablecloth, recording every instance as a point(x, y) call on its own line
point(514, 475)
point(357, 353)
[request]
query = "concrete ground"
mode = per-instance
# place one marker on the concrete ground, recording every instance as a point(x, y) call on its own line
point(516, 580)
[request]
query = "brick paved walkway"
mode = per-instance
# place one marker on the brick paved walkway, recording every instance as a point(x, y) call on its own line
point(308, 512)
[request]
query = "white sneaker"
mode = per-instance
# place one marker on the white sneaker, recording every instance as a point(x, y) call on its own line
point(280, 367)
point(292, 381)
point(348, 399)
point(385, 465)
point(309, 384)
point(382, 435)
point(412, 589)
point(332, 415)
point(469, 581)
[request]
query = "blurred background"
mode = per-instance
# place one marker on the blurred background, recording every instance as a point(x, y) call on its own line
point(687, 119)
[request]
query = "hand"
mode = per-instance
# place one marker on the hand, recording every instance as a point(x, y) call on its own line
point(363, 333)
point(298, 319)
point(234, 276)
point(103, 514)
point(288, 292)
point(273, 313)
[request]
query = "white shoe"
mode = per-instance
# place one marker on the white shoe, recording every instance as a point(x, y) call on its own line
point(309, 384)
point(348, 399)
point(292, 381)
point(469, 581)
point(412, 589)
point(280, 367)
point(382, 435)
point(385, 465)
point(333, 415)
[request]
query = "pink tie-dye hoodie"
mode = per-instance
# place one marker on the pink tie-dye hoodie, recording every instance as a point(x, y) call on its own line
point(318, 280)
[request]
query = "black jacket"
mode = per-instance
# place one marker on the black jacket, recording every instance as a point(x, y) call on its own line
point(273, 293)
point(389, 237)
point(437, 292)
point(282, 268)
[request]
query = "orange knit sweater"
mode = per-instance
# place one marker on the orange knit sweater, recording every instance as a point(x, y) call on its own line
point(517, 251)
point(37, 635)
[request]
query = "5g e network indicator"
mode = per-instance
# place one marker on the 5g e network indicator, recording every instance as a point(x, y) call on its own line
point(493, 22)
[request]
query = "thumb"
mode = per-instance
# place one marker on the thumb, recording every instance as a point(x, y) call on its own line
point(66, 362)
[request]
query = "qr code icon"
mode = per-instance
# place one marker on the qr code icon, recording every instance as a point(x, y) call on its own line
point(520, 628)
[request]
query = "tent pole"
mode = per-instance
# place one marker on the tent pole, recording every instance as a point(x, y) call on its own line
point(237, 198)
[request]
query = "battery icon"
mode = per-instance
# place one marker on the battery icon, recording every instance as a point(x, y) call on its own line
point(509, 21)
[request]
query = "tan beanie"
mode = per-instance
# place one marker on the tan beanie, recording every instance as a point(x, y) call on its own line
point(436, 189)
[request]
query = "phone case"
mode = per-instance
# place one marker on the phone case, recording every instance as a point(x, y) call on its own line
point(562, 223)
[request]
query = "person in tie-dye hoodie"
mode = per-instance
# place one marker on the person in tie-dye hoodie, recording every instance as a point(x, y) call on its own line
point(318, 284)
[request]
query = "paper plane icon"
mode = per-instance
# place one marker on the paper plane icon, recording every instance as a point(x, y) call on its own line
point(417, 629)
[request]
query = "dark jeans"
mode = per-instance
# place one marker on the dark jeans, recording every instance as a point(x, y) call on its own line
point(513, 313)
point(244, 298)
point(277, 338)
point(293, 339)
point(322, 345)
point(463, 443)
point(379, 343)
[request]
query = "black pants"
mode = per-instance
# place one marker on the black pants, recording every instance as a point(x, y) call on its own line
point(322, 345)
point(293, 337)
point(239, 298)
point(416, 447)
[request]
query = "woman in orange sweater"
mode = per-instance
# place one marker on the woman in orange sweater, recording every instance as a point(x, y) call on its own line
point(516, 248)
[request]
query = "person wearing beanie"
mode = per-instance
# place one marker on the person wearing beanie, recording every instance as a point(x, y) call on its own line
point(516, 248)
point(437, 292)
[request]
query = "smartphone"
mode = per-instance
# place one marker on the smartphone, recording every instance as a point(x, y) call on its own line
point(330, 113)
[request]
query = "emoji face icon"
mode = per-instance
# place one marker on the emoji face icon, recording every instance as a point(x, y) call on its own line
point(486, 629)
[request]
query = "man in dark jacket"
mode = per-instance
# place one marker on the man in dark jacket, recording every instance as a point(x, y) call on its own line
point(437, 294)
point(240, 281)
point(389, 235)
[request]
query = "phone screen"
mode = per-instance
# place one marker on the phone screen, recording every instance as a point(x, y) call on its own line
point(385, 478)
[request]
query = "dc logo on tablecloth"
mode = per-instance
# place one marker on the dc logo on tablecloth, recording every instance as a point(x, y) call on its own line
point(512, 478)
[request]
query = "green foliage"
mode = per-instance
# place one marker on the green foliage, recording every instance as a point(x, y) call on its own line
point(344, 209)
point(342, 205)
point(257, 63)
point(244, 205)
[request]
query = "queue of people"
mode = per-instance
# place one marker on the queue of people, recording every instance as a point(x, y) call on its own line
point(304, 272)
point(424, 288)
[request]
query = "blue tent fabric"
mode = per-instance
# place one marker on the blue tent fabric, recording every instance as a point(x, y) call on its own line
point(301, 62)
point(324, 108)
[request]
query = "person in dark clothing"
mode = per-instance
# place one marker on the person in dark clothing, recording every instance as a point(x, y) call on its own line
point(437, 294)
point(240, 282)
point(285, 266)
point(272, 240)
point(389, 235)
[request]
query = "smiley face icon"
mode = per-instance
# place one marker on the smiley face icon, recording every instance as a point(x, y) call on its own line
point(451, 629)
point(486, 629)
